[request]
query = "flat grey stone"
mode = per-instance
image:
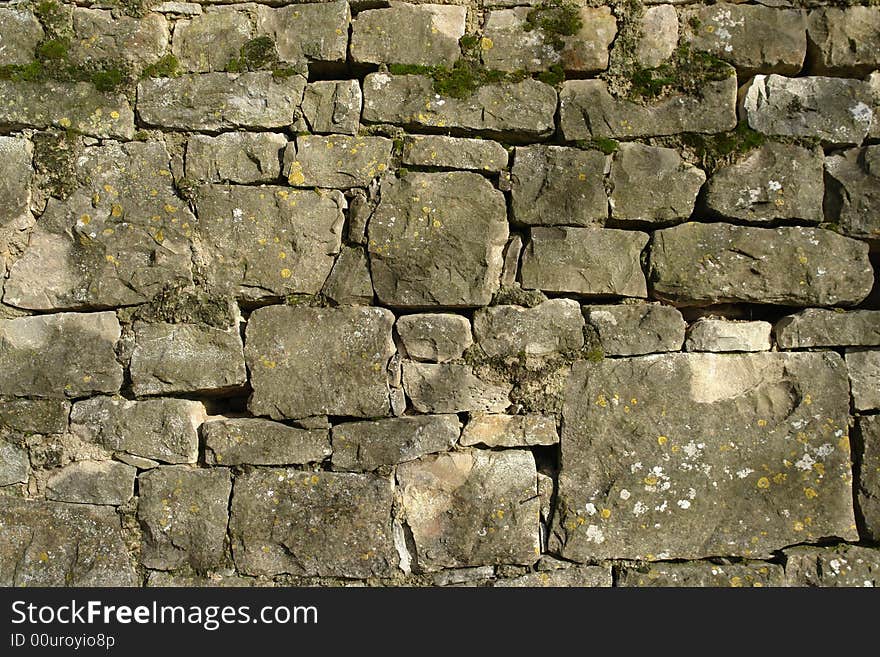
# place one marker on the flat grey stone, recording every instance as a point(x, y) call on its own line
point(211, 40)
point(451, 388)
point(452, 153)
point(553, 326)
point(659, 35)
point(307, 33)
point(100, 38)
point(34, 415)
point(703, 574)
point(237, 157)
point(15, 466)
point(852, 192)
point(636, 329)
point(842, 40)
point(817, 327)
point(349, 282)
point(339, 161)
point(92, 482)
point(16, 175)
point(333, 106)
point(20, 32)
point(434, 337)
point(253, 441)
point(864, 376)
point(510, 430)
point(722, 335)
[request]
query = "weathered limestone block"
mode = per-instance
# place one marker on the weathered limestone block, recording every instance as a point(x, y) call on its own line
point(712, 263)
point(658, 37)
point(424, 34)
point(158, 578)
point(333, 106)
point(162, 429)
point(319, 361)
point(16, 174)
point(307, 33)
point(258, 242)
point(703, 574)
point(57, 356)
point(671, 195)
point(237, 157)
point(553, 326)
point(20, 32)
point(76, 105)
point(15, 466)
point(873, 82)
point(209, 41)
point(683, 456)
point(99, 37)
point(186, 358)
point(844, 41)
point(451, 388)
point(868, 475)
point(465, 577)
point(349, 282)
point(852, 192)
point(723, 335)
point(336, 160)
point(864, 376)
point(52, 544)
point(574, 577)
point(633, 330)
point(364, 446)
point(220, 101)
point(184, 512)
point(118, 239)
point(332, 524)
point(472, 508)
point(841, 565)
point(92, 482)
point(178, 8)
point(775, 181)
point(436, 239)
point(451, 153)
point(553, 185)
point(834, 110)
point(585, 261)
point(34, 415)
point(816, 327)
point(588, 110)
point(512, 111)
point(510, 45)
point(434, 337)
point(755, 39)
point(510, 430)
point(252, 441)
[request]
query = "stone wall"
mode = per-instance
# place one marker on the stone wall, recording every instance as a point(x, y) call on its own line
point(494, 293)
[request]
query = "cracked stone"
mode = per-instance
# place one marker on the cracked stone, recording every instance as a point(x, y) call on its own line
point(633, 330)
point(92, 482)
point(553, 326)
point(817, 327)
point(237, 157)
point(721, 335)
point(434, 337)
point(252, 441)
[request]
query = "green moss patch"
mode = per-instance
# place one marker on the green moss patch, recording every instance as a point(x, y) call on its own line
point(166, 67)
point(557, 19)
point(686, 72)
point(254, 55)
point(715, 151)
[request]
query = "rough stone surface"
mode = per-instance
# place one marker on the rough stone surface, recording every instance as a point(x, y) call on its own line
point(712, 263)
point(56, 356)
point(252, 441)
point(210, 41)
point(20, 32)
point(553, 326)
point(574, 577)
point(873, 82)
point(337, 356)
point(332, 524)
point(816, 327)
point(864, 376)
point(434, 337)
point(102, 38)
point(336, 160)
point(765, 440)
point(509, 431)
point(723, 335)
point(775, 181)
point(162, 429)
point(451, 153)
point(842, 41)
point(15, 465)
point(307, 33)
point(92, 482)
point(34, 415)
point(333, 106)
point(852, 192)
point(364, 446)
point(659, 35)
point(349, 282)
point(16, 155)
point(868, 475)
point(836, 111)
point(451, 529)
point(236, 157)
point(585, 261)
point(703, 574)
point(184, 513)
point(553, 185)
point(436, 239)
point(843, 565)
point(451, 388)
point(633, 330)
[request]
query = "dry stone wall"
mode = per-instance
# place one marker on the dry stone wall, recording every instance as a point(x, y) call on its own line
point(499, 292)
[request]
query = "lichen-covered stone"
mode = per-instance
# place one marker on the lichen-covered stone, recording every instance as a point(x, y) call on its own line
point(585, 261)
point(669, 198)
point(587, 110)
point(184, 512)
point(723, 335)
point(574, 577)
point(54, 544)
point(258, 242)
point(852, 192)
point(873, 82)
point(451, 153)
point(314, 33)
point(435, 337)
point(451, 388)
point(339, 161)
point(636, 329)
point(92, 482)
point(364, 446)
point(349, 282)
point(20, 32)
point(864, 376)
point(472, 508)
point(57, 356)
point(553, 185)
point(510, 111)
point(211, 40)
point(219, 101)
point(683, 456)
point(711, 263)
point(34, 415)
point(833, 110)
point(162, 429)
point(425, 34)
point(843, 40)
point(332, 524)
point(703, 574)
point(510, 430)
point(253, 441)
point(333, 106)
point(775, 181)
point(16, 175)
point(658, 36)
point(76, 105)
point(842, 565)
point(99, 37)
point(868, 475)
point(553, 326)
point(817, 327)
point(237, 157)
point(338, 358)
point(186, 358)
point(436, 239)
point(15, 466)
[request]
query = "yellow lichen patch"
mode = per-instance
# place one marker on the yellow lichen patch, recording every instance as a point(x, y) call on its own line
point(116, 210)
point(170, 209)
point(64, 122)
point(650, 480)
point(601, 401)
point(810, 493)
point(763, 483)
point(486, 43)
point(605, 513)
point(762, 423)
point(779, 478)
point(736, 582)
point(662, 440)
point(286, 273)
point(265, 362)
point(798, 526)
point(44, 557)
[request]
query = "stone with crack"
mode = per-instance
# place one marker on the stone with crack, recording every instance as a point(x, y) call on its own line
point(819, 327)
point(554, 326)
point(635, 329)
point(254, 441)
point(338, 161)
point(92, 482)
point(852, 192)
point(236, 157)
